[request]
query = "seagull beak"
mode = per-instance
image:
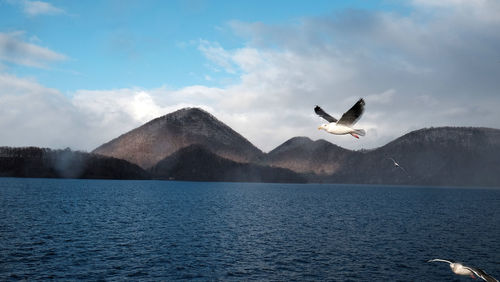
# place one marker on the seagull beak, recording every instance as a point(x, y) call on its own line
point(319, 127)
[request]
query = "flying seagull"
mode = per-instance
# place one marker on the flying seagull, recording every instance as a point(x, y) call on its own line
point(345, 123)
point(398, 165)
point(461, 269)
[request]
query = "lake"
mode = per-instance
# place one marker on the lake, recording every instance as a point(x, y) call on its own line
point(165, 230)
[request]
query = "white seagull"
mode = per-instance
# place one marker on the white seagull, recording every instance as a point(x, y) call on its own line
point(461, 269)
point(345, 123)
point(398, 165)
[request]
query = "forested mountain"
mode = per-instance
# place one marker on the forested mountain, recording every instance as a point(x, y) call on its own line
point(459, 156)
point(191, 144)
point(303, 155)
point(43, 162)
point(199, 164)
point(463, 156)
point(163, 136)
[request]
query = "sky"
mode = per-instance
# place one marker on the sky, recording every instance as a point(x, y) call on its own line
point(80, 73)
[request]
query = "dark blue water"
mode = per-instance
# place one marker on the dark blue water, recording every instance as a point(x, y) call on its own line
point(159, 230)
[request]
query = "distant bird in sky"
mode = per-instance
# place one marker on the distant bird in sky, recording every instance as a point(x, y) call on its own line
point(344, 124)
point(399, 166)
point(461, 269)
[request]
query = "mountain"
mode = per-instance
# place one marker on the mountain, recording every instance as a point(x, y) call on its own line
point(161, 137)
point(302, 155)
point(42, 162)
point(457, 156)
point(191, 144)
point(433, 156)
point(196, 163)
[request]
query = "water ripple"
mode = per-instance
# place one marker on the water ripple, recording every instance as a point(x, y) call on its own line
point(154, 230)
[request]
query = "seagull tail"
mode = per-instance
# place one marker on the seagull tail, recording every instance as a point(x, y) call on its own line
point(360, 132)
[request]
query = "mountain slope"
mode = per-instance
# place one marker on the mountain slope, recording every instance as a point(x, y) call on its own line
point(457, 156)
point(303, 155)
point(196, 163)
point(41, 162)
point(159, 138)
point(433, 156)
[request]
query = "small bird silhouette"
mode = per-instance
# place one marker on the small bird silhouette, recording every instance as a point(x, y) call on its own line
point(399, 166)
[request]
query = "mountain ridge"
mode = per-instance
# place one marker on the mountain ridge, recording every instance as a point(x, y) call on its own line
point(196, 163)
point(455, 156)
point(49, 163)
point(426, 153)
point(148, 144)
point(191, 144)
point(306, 154)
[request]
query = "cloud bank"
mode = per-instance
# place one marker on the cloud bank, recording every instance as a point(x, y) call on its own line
point(435, 66)
point(35, 8)
point(15, 50)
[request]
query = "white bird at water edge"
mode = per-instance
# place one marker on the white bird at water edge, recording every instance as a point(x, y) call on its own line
point(461, 269)
point(344, 124)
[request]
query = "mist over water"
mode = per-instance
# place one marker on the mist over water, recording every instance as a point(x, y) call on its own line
point(68, 164)
point(161, 230)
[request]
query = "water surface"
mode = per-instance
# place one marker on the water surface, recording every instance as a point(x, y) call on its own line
point(161, 230)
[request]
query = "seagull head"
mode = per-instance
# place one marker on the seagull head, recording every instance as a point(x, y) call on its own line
point(323, 126)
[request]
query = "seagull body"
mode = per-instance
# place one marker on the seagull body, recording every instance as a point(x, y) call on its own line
point(399, 166)
point(344, 124)
point(395, 163)
point(337, 129)
point(461, 269)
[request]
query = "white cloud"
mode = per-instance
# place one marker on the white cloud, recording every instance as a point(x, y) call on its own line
point(478, 10)
point(110, 113)
point(35, 115)
point(416, 70)
point(425, 70)
point(35, 8)
point(483, 4)
point(13, 49)
point(215, 53)
point(385, 97)
point(124, 104)
point(446, 3)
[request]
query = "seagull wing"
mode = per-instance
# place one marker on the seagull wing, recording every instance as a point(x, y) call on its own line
point(395, 163)
point(353, 114)
point(481, 274)
point(443, 260)
point(404, 171)
point(319, 111)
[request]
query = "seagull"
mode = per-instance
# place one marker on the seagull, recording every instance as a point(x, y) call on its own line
point(345, 123)
point(461, 269)
point(397, 165)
